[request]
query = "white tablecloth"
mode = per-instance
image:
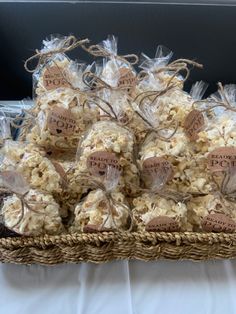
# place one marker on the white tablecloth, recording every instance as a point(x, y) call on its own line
point(165, 287)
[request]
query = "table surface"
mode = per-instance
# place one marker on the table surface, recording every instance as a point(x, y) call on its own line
point(134, 287)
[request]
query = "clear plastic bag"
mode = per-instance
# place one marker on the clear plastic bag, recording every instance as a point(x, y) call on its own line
point(157, 213)
point(32, 163)
point(104, 208)
point(211, 213)
point(213, 144)
point(155, 115)
point(170, 103)
point(116, 71)
point(158, 72)
point(151, 80)
point(173, 145)
point(62, 115)
point(66, 197)
point(61, 121)
point(11, 117)
point(54, 68)
point(219, 113)
point(52, 73)
point(74, 77)
point(5, 128)
point(115, 106)
point(27, 211)
point(162, 58)
point(108, 143)
point(160, 208)
point(164, 144)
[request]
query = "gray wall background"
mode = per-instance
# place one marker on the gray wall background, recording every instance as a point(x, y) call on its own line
point(205, 33)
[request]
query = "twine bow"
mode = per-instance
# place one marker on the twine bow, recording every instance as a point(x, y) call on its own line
point(121, 117)
point(145, 113)
point(94, 183)
point(178, 66)
point(227, 188)
point(164, 192)
point(70, 43)
point(24, 205)
point(214, 103)
point(14, 183)
point(71, 86)
point(99, 51)
point(152, 95)
point(95, 83)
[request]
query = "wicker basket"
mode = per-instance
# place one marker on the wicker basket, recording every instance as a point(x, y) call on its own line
point(107, 246)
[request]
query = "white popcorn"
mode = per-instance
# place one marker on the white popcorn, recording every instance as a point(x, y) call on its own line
point(176, 146)
point(219, 132)
point(200, 207)
point(159, 81)
point(44, 217)
point(31, 162)
point(61, 62)
point(192, 176)
point(67, 198)
point(150, 206)
point(95, 211)
point(109, 137)
point(83, 116)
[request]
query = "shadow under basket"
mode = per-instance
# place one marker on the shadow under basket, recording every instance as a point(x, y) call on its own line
point(108, 246)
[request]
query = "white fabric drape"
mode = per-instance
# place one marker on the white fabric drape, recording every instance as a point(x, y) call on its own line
point(165, 287)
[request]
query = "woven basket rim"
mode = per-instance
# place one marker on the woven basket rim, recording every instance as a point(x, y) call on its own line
point(176, 238)
point(108, 246)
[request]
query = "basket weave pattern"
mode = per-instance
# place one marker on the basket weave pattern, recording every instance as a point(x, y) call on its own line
point(107, 246)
